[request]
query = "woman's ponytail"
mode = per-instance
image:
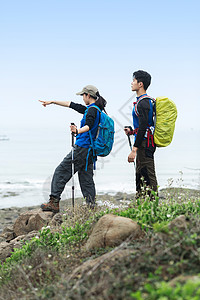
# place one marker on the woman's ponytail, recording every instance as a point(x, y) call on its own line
point(100, 102)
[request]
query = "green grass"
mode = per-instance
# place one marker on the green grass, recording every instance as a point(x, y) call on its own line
point(190, 290)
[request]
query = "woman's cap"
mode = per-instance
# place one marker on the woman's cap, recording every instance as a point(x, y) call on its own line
point(89, 89)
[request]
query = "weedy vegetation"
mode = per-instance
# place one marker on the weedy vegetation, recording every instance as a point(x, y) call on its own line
point(163, 264)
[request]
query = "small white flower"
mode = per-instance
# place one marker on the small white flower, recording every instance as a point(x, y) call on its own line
point(30, 267)
point(168, 215)
point(49, 255)
point(37, 237)
point(45, 227)
point(68, 256)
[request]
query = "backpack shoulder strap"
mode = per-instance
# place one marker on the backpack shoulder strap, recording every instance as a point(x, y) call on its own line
point(142, 98)
point(96, 108)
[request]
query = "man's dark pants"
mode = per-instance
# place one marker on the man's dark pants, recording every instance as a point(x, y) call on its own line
point(145, 168)
point(63, 174)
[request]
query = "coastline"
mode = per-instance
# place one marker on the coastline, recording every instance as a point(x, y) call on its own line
point(9, 215)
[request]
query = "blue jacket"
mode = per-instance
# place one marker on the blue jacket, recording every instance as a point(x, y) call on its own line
point(83, 139)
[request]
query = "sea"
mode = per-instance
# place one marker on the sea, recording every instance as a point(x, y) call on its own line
point(29, 156)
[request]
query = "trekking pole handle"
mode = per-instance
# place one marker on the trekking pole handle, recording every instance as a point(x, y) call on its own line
point(72, 136)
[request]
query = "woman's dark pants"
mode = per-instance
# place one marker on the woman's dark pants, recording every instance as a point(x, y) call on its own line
point(63, 174)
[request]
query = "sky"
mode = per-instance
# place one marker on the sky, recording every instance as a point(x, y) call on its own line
point(50, 49)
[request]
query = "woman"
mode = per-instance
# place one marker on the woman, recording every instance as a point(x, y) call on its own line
point(83, 159)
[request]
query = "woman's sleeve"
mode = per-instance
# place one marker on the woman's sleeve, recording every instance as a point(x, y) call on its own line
point(78, 107)
point(90, 117)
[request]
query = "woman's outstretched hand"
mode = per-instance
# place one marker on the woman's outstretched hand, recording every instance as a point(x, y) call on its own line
point(45, 103)
point(61, 103)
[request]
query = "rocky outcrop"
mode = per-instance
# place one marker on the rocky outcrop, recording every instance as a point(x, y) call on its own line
point(31, 220)
point(6, 248)
point(25, 227)
point(111, 230)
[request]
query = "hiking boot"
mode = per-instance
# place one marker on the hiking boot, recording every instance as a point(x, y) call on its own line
point(91, 205)
point(52, 205)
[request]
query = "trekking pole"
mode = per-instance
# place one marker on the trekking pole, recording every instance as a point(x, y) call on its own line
point(129, 140)
point(72, 167)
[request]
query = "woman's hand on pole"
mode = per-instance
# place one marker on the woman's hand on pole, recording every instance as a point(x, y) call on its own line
point(80, 130)
point(74, 129)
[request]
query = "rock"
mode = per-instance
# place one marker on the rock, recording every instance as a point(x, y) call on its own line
point(111, 230)
point(57, 220)
point(2, 239)
point(123, 196)
point(25, 237)
point(183, 278)
point(179, 223)
point(31, 220)
point(8, 233)
point(6, 248)
point(108, 259)
point(176, 225)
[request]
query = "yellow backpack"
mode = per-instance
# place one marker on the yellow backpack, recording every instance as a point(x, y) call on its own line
point(166, 114)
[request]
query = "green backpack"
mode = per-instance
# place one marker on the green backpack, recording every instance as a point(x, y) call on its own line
point(166, 114)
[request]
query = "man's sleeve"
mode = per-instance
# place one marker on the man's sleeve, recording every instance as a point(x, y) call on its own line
point(143, 111)
point(90, 117)
point(78, 107)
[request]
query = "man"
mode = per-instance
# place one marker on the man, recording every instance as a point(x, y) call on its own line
point(144, 147)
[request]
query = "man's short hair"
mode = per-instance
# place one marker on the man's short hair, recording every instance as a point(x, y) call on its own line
point(144, 77)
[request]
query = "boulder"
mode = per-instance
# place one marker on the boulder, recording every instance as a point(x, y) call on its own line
point(179, 223)
point(112, 230)
point(31, 220)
